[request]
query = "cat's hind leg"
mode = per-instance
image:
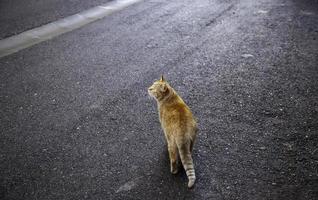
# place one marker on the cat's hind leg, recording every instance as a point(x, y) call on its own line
point(173, 155)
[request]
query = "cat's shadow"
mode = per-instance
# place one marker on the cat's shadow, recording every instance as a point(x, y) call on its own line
point(175, 180)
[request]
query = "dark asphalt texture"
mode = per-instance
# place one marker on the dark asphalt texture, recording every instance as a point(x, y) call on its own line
point(17, 16)
point(77, 122)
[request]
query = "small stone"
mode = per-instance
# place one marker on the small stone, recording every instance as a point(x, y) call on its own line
point(262, 11)
point(304, 12)
point(247, 55)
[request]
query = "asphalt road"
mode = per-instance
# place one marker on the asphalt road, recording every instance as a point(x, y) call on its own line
point(77, 123)
point(17, 16)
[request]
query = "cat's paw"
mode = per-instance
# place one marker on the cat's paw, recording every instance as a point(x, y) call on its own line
point(174, 170)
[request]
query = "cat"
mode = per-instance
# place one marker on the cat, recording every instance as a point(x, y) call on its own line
point(179, 126)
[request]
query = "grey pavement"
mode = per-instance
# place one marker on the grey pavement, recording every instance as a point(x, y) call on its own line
point(77, 122)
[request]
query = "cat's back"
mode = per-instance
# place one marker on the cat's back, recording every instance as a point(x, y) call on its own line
point(176, 114)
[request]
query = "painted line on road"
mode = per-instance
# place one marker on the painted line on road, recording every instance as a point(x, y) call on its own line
point(34, 36)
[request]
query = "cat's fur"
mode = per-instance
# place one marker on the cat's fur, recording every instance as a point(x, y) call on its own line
point(178, 124)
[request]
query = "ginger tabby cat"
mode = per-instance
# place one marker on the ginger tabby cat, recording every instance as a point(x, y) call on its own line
point(178, 124)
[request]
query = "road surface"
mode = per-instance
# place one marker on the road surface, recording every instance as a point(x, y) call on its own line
point(77, 122)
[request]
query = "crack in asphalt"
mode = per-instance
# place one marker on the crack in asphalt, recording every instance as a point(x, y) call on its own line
point(219, 15)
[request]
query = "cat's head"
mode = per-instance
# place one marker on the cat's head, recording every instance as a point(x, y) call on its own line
point(159, 89)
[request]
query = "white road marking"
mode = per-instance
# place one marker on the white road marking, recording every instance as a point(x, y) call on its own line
point(129, 185)
point(126, 187)
point(34, 36)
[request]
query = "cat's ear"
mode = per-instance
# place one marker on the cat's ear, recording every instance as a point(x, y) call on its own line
point(162, 79)
point(164, 87)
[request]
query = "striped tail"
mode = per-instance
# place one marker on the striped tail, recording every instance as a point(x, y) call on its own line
point(187, 162)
